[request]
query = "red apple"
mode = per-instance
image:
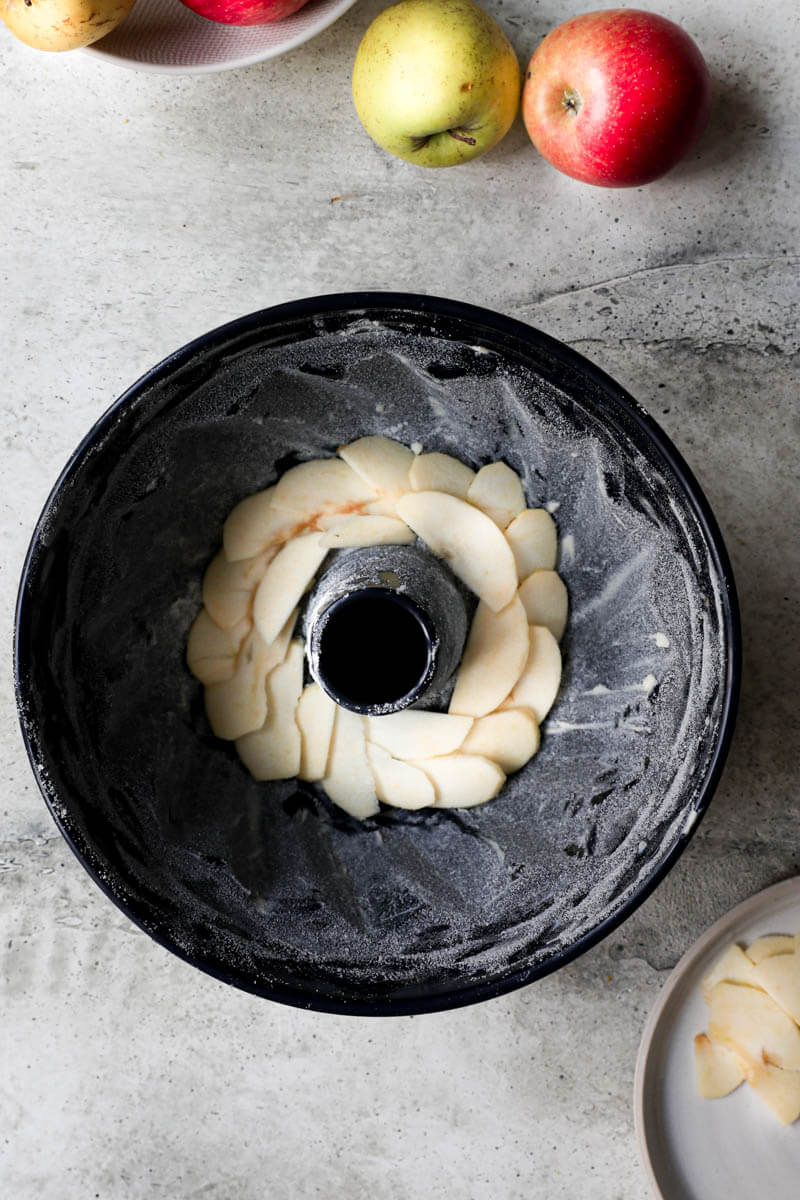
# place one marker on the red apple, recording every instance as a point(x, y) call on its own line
point(245, 12)
point(616, 98)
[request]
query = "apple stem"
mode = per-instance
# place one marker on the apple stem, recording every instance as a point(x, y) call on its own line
point(461, 137)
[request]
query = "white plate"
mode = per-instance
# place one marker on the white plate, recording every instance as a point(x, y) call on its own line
point(728, 1149)
point(164, 35)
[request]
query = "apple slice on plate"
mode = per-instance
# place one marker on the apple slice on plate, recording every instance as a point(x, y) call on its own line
point(469, 542)
point(441, 473)
point(273, 751)
point(546, 601)
point(322, 485)
point(750, 1020)
point(211, 651)
point(398, 783)
point(315, 716)
point(538, 685)
point(780, 1090)
point(285, 580)
point(462, 780)
point(534, 540)
point(779, 976)
point(497, 491)
point(254, 525)
point(494, 656)
point(771, 943)
point(415, 733)
point(382, 463)
point(731, 967)
point(718, 1069)
point(349, 781)
point(509, 738)
point(367, 531)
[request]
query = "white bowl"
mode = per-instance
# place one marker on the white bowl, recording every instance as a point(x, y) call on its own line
point(164, 35)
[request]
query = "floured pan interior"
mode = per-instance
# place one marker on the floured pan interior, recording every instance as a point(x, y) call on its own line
point(268, 885)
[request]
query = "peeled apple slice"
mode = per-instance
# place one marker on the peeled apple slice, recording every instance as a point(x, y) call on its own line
point(765, 947)
point(398, 783)
point(315, 715)
point(414, 733)
point(779, 976)
point(733, 967)
point(285, 580)
point(509, 738)
point(462, 780)
point(323, 485)
point(717, 1069)
point(780, 1090)
point(538, 685)
point(254, 524)
point(239, 705)
point(228, 587)
point(349, 781)
point(367, 531)
point(468, 540)
point(497, 491)
point(381, 463)
point(211, 651)
point(752, 1022)
point(441, 473)
point(493, 660)
point(273, 752)
point(534, 540)
point(546, 602)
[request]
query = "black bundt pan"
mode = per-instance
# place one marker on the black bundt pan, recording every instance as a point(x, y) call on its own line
point(269, 887)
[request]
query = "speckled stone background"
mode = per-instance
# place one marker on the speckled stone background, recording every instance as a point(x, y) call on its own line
point(140, 210)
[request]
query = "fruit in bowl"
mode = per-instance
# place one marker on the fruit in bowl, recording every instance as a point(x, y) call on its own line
point(62, 24)
point(245, 12)
point(616, 98)
point(436, 82)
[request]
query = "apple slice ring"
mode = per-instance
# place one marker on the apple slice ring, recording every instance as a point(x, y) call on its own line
point(378, 492)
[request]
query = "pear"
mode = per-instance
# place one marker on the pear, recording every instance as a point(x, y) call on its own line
point(534, 539)
point(751, 1021)
point(508, 738)
point(322, 485)
point(315, 716)
point(238, 705)
point(398, 783)
point(211, 651)
point(772, 943)
point(779, 976)
point(732, 967)
point(717, 1068)
point(349, 781)
point(415, 733)
point(441, 473)
point(493, 660)
point(497, 491)
point(367, 531)
point(546, 601)
point(273, 751)
point(468, 540)
point(228, 587)
point(254, 525)
point(538, 685)
point(383, 464)
point(462, 780)
point(285, 580)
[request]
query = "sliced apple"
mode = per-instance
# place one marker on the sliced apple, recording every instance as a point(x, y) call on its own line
point(382, 463)
point(315, 715)
point(718, 1070)
point(211, 651)
point(398, 783)
point(368, 531)
point(462, 780)
point(349, 781)
point(546, 601)
point(534, 539)
point(538, 685)
point(285, 580)
point(441, 473)
point(497, 491)
point(273, 751)
point(765, 947)
point(254, 525)
point(323, 485)
point(382, 507)
point(238, 705)
point(493, 660)
point(509, 738)
point(732, 967)
point(751, 1021)
point(779, 976)
point(468, 540)
point(415, 733)
point(779, 1089)
point(228, 587)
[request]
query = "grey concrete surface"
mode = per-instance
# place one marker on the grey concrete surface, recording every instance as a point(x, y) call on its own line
point(139, 211)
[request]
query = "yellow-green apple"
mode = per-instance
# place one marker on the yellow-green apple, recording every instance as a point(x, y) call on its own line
point(616, 98)
point(436, 82)
point(245, 12)
point(62, 24)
